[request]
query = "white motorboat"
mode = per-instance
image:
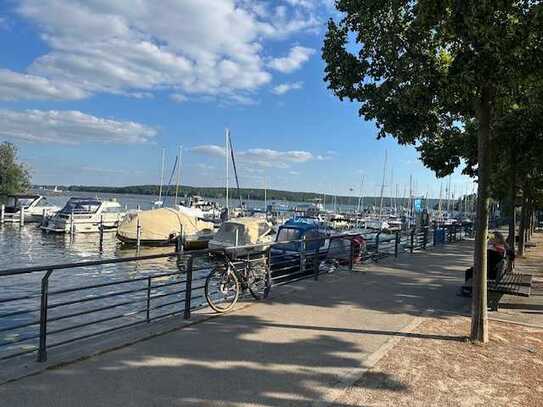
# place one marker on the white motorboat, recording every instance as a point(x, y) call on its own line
point(201, 208)
point(86, 215)
point(34, 207)
point(243, 236)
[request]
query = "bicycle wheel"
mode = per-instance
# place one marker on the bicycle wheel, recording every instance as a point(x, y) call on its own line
point(221, 290)
point(259, 282)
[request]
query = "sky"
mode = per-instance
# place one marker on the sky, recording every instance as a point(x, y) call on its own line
point(92, 91)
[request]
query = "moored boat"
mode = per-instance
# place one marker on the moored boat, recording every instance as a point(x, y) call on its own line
point(243, 236)
point(163, 226)
point(34, 208)
point(85, 215)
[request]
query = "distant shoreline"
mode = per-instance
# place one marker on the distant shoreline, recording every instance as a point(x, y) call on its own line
point(256, 194)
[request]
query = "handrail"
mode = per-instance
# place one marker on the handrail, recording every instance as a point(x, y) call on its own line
point(88, 263)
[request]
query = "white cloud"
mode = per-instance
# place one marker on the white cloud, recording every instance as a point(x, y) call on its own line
point(261, 157)
point(16, 86)
point(293, 61)
point(286, 87)
point(70, 127)
point(188, 47)
point(209, 149)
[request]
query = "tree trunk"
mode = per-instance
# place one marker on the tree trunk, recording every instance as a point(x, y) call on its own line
point(522, 227)
point(479, 311)
point(513, 199)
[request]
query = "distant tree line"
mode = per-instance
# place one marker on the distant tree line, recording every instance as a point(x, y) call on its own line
point(246, 193)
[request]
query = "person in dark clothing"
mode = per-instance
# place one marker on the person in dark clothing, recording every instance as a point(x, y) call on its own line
point(498, 253)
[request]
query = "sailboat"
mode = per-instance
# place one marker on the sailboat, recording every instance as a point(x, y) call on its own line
point(163, 226)
point(250, 234)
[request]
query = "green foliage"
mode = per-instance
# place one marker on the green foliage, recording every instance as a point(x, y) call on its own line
point(252, 193)
point(14, 176)
point(419, 68)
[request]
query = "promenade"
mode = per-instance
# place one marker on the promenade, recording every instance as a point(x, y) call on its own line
point(303, 346)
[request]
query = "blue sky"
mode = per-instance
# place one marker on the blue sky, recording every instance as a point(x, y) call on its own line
point(92, 90)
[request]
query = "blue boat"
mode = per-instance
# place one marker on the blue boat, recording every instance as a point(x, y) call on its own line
point(300, 229)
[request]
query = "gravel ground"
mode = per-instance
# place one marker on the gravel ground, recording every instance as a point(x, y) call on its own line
point(436, 367)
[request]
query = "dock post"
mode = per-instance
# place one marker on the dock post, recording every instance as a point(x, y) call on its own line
point(72, 226)
point(188, 288)
point(101, 233)
point(2, 213)
point(22, 216)
point(412, 241)
point(138, 234)
point(396, 244)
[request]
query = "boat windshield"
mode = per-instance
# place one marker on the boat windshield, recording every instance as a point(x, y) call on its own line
point(228, 231)
point(17, 202)
point(81, 206)
point(286, 234)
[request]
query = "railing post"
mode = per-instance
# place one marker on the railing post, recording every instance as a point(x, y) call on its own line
point(425, 237)
point(434, 236)
point(351, 254)
point(268, 271)
point(316, 264)
point(302, 255)
point(148, 309)
point(188, 288)
point(42, 351)
point(412, 246)
point(396, 244)
point(377, 238)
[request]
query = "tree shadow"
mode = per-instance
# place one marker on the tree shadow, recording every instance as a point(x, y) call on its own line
point(234, 360)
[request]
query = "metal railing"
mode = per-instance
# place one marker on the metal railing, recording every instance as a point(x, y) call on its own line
point(69, 314)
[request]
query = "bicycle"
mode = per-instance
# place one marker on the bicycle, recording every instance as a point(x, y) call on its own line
point(226, 281)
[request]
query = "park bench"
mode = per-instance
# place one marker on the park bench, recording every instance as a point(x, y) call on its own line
point(510, 283)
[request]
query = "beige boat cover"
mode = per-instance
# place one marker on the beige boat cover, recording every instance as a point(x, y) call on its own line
point(250, 231)
point(161, 225)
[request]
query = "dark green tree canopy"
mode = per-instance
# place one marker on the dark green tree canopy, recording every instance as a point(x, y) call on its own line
point(14, 176)
point(419, 68)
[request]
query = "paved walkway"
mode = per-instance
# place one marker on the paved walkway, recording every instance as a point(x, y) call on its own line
point(299, 348)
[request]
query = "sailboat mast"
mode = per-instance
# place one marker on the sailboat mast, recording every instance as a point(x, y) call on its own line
point(383, 185)
point(177, 183)
point(265, 195)
point(161, 175)
point(226, 154)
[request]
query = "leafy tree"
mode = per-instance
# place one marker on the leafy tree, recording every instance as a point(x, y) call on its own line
point(14, 176)
point(428, 72)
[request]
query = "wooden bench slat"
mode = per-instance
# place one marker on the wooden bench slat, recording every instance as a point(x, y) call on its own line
point(518, 290)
